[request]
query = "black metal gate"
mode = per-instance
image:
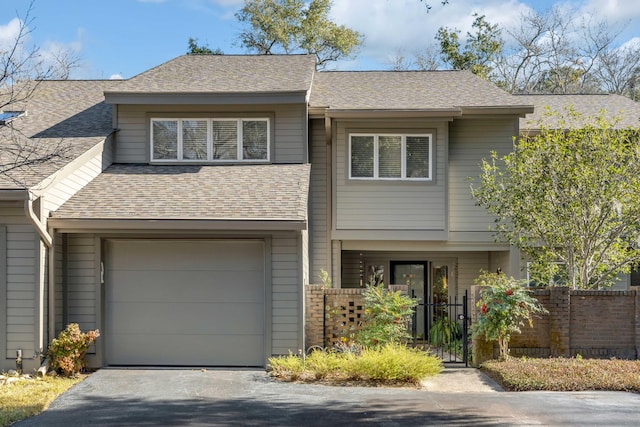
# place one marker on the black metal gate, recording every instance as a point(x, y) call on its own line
point(443, 327)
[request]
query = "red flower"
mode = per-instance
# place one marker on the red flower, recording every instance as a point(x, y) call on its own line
point(508, 292)
point(484, 309)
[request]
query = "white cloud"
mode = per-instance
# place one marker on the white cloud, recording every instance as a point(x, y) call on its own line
point(228, 3)
point(116, 76)
point(406, 25)
point(9, 33)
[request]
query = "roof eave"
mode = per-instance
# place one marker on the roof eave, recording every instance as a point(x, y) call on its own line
point(520, 110)
point(386, 113)
point(14, 195)
point(290, 97)
point(113, 224)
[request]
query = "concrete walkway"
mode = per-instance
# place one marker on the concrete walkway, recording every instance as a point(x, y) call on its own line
point(129, 397)
point(457, 379)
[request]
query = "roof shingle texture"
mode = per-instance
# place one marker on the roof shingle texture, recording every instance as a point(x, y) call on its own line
point(387, 90)
point(225, 74)
point(246, 192)
point(70, 115)
point(588, 105)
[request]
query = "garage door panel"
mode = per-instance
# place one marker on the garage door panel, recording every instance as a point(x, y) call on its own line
point(185, 286)
point(172, 302)
point(161, 255)
point(171, 318)
point(194, 350)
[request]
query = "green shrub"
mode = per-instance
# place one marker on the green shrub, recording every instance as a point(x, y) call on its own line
point(388, 364)
point(395, 363)
point(387, 315)
point(68, 350)
point(504, 306)
point(444, 332)
point(563, 374)
point(287, 367)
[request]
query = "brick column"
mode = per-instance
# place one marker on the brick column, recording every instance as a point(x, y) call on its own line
point(314, 315)
point(481, 349)
point(637, 321)
point(559, 321)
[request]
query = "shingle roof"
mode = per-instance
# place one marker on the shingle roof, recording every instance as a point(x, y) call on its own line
point(225, 74)
point(587, 105)
point(247, 192)
point(70, 114)
point(406, 90)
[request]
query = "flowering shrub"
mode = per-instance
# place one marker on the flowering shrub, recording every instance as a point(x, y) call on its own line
point(68, 350)
point(504, 306)
point(387, 315)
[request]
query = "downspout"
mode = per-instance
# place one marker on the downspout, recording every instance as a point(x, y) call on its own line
point(46, 238)
point(35, 221)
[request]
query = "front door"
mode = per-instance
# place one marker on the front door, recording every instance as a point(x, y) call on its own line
point(414, 274)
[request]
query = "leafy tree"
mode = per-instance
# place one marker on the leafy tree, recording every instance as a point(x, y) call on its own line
point(296, 26)
point(504, 306)
point(196, 49)
point(387, 314)
point(480, 50)
point(569, 194)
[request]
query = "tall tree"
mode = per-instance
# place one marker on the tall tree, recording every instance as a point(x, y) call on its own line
point(22, 69)
point(569, 197)
point(554, 52)
point(296, 26)
point(480, 50)
point(201, 49)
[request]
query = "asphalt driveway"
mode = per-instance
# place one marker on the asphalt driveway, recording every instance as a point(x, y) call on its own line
point(131, 397)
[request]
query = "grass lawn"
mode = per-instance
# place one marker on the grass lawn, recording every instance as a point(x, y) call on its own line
point(559, 374)
point(26, 398)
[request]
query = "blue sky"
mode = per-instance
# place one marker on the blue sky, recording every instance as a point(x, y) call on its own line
point(121, 38)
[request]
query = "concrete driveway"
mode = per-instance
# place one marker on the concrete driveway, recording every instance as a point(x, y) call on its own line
point(128, 397)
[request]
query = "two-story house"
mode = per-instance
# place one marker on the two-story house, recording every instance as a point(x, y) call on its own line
point(196, 200)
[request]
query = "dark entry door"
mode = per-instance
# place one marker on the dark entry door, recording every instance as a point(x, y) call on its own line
point(414, 274)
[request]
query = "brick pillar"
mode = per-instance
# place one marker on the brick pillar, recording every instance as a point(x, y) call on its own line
point(314, 315)
point(637, 321)
point(481, 349)
point(559, 321)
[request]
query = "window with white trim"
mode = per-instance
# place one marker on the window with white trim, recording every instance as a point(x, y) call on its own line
point(390, 156)
point(210, 139)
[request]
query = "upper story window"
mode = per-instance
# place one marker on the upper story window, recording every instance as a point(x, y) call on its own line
point(213, 140)
point(390, 156)
point(7, 116)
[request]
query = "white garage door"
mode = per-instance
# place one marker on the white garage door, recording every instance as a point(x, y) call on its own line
point(185, 303)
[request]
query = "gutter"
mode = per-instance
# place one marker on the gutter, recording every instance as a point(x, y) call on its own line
point(39, 226)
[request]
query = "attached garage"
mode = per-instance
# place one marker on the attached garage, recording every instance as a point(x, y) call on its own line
point(185, 302)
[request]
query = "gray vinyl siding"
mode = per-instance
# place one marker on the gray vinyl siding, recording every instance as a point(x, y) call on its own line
point(89, 168)
point(285, 294)
point(21, 290)
point(318, 218)
point(81, 269)
point(469, 266)
point(60, 282)
point(289, 128)
point(3, 295)
point(470, 141)
point(390, 205)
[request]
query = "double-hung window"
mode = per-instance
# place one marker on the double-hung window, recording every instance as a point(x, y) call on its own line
point(210, 139)
point(390, 156)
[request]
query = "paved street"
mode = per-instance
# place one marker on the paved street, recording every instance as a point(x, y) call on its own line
point(181, 397)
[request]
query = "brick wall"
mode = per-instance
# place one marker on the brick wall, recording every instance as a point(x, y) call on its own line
point(594, 324)
point(332, 314)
